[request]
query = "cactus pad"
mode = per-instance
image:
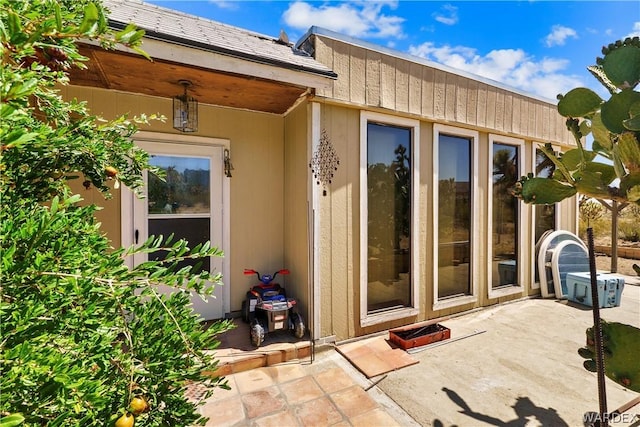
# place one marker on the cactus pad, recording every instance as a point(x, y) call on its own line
point(621, 349)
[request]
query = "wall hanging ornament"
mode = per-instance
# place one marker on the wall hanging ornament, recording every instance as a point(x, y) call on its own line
point(324, 162)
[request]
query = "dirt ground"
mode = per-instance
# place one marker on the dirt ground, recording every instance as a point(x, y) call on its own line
point(625, 265)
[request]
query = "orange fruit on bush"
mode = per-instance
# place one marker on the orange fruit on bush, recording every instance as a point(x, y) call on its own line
point(138, 405)
point(126, 420)
point(111, 171)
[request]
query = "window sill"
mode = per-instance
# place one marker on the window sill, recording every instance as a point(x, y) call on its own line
point(505, 291)
point(388, 316)
point(454, 302)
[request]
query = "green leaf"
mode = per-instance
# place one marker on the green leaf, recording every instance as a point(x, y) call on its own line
point(622, 66)
point(11, 420)
point(606, 171)
point(616, 109)
point(17, 138)
point(579, 102)
point(14, 27)
point(628, 148)
point(600, 132)
point(91, 16)
point(574, 158)
point(545, 191)
point(58, 12)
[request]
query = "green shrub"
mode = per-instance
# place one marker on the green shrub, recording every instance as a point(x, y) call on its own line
point(83, 334)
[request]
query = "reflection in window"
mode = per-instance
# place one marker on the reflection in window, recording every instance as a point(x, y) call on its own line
point(505, 216)
point(545, 215)
point(454, 216)
point(185, 188)
point(389, 217)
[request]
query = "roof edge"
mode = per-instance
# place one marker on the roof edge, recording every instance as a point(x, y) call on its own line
point(119, 25)
point(323, 32)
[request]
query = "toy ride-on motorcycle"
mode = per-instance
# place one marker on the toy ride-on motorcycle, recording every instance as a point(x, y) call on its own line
point(268, 309)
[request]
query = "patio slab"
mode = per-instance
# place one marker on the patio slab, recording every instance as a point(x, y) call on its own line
point(523, 369)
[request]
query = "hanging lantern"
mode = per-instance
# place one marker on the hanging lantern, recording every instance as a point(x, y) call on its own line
point(185, 110)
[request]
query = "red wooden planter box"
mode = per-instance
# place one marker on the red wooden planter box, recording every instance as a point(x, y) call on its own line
point(419, 336)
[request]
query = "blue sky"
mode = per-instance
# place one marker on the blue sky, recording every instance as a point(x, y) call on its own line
point(541, 47)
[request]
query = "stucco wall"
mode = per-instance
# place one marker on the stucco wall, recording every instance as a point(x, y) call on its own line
point(296, 225)
point(257, 185)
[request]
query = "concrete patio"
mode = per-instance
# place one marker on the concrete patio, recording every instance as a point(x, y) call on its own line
point(510, 365)
point(521, 368)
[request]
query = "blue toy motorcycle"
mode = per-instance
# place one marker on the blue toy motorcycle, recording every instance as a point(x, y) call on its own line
point(267, 308)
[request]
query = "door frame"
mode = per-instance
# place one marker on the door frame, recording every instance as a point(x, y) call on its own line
point(146, 140)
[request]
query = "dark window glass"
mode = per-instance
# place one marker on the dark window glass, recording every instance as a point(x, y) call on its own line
point(506, 216)
point(389, 217)
point(454, 216)
point(194, 230)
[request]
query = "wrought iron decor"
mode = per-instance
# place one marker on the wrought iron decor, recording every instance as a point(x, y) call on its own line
point(324, 162)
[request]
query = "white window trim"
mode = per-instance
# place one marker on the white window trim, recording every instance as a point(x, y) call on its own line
point(373, 319)
point(439, 304)
point(507, 290)
point(146, 138)
point(532, 231)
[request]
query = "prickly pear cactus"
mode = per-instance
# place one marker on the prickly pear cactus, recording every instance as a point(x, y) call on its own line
point(621, 349)
point(615, 127)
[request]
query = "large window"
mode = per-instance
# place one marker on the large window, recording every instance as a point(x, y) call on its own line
point(506, 216)
point(388, 215)
point(455, 169)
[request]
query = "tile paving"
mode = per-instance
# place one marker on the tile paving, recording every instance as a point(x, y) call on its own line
point(325, 391)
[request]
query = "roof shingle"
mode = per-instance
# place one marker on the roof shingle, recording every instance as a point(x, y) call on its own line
point(180, 28)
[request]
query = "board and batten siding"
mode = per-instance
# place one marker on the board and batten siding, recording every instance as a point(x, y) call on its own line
point(369, 78)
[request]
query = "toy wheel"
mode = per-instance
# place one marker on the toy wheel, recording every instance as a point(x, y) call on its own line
point(257, 334)
point(298, 326)
point(245, 311)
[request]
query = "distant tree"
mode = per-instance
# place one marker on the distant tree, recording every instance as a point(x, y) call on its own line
point(590, 210)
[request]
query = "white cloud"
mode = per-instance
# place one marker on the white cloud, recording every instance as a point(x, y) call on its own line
point(356, 19)
point(225, 4)
point(512, 67)
point(447, 16)
point(636, 30)
point(559, 35)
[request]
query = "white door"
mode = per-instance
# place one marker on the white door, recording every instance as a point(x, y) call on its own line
point(188, 204)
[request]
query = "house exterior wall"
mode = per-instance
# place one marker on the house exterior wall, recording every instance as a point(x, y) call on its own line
point(297, 249)
point(370, 81)
point(339, 230)
point(373, 79)
point(257, 211)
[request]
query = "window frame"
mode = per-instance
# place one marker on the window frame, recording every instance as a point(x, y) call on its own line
point(474, 136)
point(532, 232)
point(521, 233)
point(367, 319)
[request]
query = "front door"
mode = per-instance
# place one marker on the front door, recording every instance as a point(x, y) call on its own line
point(188, 203)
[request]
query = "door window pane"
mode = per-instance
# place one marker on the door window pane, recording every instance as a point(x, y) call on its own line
point(505, 216)
point(454, 216)
point(389, 217)
point(185, 188)
point(193, 230)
